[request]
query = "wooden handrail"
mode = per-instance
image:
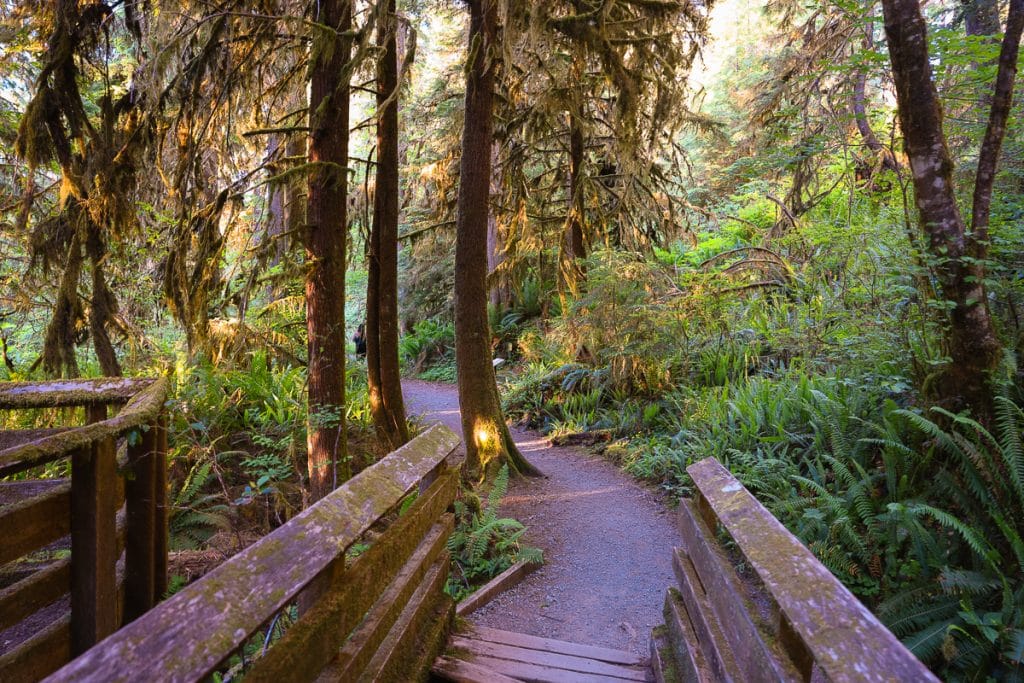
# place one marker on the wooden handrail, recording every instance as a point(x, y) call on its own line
point(141, 409)
point(819, 619)
point(62, 393)
point(187, 636)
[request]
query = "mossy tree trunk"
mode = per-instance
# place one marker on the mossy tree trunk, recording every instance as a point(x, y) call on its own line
point(959, 253)
point(487, 439)
point(325, 237)
point(383, 375)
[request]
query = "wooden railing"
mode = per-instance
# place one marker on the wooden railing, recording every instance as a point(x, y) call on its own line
point(788, 618)
point(380, 616)
point(113, 507)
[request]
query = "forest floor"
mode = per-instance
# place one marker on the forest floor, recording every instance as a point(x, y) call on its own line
point(607, 541)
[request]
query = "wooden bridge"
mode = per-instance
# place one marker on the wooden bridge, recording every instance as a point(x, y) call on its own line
point(361, 576)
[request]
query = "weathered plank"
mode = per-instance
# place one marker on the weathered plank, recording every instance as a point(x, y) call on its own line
point(482, 648)
point(39, 655)
point(186, 636)
point(308, 646)
point(13, 438)
point(757, 659)
point(161, 532)
point(495, 587)
point(141, 409)
point(523, 640)
point(682, 637)
point(392, 660)
point(663, 664)
point(702, 618)
point(461, 671)
point(35, 591)
point(62, 393)
point(33, 523)
point(538, 673)
point(94, 551)
point(844, 638)
point(141, 497)
point(366, 639)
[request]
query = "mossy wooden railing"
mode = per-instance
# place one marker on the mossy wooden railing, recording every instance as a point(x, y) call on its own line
point(113, 508)
point(787, 618)
point(380, 616)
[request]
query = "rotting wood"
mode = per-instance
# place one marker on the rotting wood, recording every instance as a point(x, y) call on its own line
point(702, 618)
point(495, 587)
point(94, 544)
point(523, 640)
point(38, 656)
point(585, 665)
point(366, 639)
point(191, 632)
point(843, 637)
point(309, 645)
point(35, 591)
point(392, 660)
point(141, 409)
point(757, 659)
point(64, 393)
point(461, 671)
point(35, 522)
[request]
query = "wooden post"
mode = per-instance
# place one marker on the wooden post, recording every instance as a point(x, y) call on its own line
point(93, 541)
point(141, 541)
point(160, 507)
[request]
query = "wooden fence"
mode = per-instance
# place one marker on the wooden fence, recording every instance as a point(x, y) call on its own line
point(787, 618)
point(379, 616)
point(113, 508)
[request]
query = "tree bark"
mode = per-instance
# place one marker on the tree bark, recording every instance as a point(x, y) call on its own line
point(981, 17)
point(384, 378)
point(971, 337)
point(573, 246)
point(487, 439)
point(326, 233)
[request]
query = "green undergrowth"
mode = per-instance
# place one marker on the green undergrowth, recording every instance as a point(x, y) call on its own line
point(484, 544)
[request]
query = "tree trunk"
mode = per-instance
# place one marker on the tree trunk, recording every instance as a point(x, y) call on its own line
point(971, 337)
point(981, 17)
point(573, 246)
point(487, 439)
point(384, 378)
point(326, 233)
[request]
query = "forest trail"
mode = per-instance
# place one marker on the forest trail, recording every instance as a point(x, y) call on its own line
point(607, 541)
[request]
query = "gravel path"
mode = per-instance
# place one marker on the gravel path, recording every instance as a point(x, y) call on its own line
point(606, 539)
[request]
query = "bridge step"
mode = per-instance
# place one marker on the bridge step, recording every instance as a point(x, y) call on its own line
point(478, 654)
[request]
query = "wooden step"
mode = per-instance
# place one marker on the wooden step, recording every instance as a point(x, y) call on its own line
point(483, 654)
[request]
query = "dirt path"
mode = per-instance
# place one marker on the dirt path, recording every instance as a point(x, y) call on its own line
point(606, 541)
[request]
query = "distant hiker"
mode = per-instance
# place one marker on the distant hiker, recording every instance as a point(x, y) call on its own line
point(360, 340)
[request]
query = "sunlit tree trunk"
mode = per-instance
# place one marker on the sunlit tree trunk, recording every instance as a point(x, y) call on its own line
point(488, 442)
point(325, 236)
point(383, 375)
point(573, 247)
point(971, 337)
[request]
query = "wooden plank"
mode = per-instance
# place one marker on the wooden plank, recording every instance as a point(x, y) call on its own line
point(536, 673)
point(141, 409)
point(702, 618)
point(756, 659)
point(460, 671)
point(365, 640)
point(140, 541)
point(34, 592)
point(13, 438)
point(62, 393)
point(682, 637)
point(663, 664)
point(160, 529)
point(551, 659)
point(549, 645)
point(34, 523)
point(38, 656)
point(495, 587)
point(313, 642)
point(93, 545)
point(186, 636)
point(844, 638)
point(399, 647)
